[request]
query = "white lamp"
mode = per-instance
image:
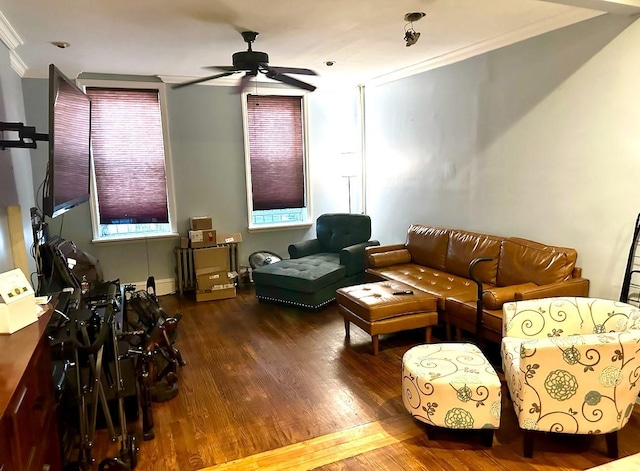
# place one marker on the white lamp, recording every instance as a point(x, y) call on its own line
point(350, 166)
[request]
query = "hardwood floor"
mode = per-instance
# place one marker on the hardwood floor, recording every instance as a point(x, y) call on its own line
point(272, 387)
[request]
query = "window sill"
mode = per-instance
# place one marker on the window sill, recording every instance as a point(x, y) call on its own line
point(134, 238)
point(280, 227)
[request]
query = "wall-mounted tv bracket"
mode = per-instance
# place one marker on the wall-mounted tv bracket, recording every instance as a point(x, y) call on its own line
point(27, 136)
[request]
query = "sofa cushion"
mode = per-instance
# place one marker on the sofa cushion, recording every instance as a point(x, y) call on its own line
point(428, 245)
point(307, 274)
point(435, 282)
point(465, 246)
point(393, 257)
point(523, 261)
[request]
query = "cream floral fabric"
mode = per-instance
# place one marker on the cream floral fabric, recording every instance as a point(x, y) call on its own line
point(572, 365)
point(451, 385)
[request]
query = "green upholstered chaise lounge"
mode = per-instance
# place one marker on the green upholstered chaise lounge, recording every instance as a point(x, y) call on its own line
point(319, 266)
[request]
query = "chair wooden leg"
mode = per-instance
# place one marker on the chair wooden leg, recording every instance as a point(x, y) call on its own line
point(374, 340)
point(458, 334)
point(427, 334)
point(527, 447)
point(347, 328)
point(487, 437)
point(448, 331)
point(612, 444)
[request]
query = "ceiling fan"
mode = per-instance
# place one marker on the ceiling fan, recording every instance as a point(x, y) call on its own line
point(251, 62)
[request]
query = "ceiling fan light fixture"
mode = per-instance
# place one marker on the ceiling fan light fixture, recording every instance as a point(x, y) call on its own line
point(411, 37)
point(415, 16)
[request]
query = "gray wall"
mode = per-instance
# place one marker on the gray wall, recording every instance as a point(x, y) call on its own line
point(539, 140)
point(205, 130)
point(15, 165)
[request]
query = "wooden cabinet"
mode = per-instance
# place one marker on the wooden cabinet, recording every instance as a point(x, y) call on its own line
point(28, 428)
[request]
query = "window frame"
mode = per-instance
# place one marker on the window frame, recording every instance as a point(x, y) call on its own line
point(308, 216)
point(171, 201)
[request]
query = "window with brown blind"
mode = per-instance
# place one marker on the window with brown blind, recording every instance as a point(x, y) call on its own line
point(276, 160)
point(131, 192)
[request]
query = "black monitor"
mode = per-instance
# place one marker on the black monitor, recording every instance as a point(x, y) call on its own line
point(67, 182)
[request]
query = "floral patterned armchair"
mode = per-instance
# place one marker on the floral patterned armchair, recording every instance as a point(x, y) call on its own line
point(572, 365)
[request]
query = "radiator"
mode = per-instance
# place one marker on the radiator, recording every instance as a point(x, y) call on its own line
point(186, 273)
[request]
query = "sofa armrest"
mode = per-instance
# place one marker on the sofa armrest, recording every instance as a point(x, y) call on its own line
point(391, 257)
point(479, 296)
point(304, 248)
point(380, 249)
point(353, 257)
point(573, 287)
point(494, 298)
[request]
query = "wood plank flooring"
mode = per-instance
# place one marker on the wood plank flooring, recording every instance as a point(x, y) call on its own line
point(273, 387)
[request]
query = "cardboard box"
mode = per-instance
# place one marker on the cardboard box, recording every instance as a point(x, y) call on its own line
point(200, 223)
point(222, 292)
point(211, 259)
point(184, 242)
point(209, 280)
point(205, 238)
point(230, 238)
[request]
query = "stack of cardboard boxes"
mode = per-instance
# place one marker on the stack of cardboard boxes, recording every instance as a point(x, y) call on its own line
point(210, 261)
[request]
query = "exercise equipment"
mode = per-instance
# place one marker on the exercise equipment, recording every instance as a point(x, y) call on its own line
point(158, 358)
point(91, 331)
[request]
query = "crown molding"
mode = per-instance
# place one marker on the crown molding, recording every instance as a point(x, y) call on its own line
point(618, 7)
point(17, 64)
point(8, 35)
point(12, 40)
point(535, 29)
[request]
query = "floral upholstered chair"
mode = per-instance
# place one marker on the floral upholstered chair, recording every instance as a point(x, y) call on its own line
point(572, 365)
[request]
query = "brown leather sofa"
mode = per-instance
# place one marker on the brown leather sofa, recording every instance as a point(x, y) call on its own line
point(437, 260)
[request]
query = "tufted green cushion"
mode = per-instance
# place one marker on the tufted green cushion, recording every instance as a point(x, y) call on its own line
point(310, 274)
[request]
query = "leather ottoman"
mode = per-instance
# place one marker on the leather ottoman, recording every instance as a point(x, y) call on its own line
point(377, 310)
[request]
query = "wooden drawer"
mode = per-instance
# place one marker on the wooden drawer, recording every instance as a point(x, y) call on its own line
point(29, 423)
point(6, 459)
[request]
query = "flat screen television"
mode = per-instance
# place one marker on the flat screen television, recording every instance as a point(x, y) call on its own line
point(67, 183)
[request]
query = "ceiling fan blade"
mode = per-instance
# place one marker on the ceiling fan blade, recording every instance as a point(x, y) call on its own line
point(291, 70)
point(201, 79)
point(225, 68)
point(290, 80)
point(244, 81)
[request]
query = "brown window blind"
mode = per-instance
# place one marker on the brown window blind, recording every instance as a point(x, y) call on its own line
point(276, 151)
point(128, 156)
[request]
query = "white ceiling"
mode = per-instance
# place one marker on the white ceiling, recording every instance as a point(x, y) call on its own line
point(174, 39)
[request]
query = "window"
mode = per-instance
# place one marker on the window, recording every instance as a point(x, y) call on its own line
point(132, 191)
point(276, 160)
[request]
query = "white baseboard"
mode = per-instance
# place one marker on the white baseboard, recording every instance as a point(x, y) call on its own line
point(163, 287)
